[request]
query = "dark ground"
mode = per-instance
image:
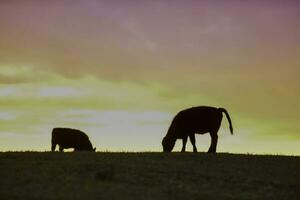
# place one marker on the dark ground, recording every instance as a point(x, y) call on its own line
point(188, 176)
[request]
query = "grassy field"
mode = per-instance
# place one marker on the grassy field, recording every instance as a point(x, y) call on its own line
point(32, 175)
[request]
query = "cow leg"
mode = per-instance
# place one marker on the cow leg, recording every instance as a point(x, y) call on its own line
point(193, 141)
point(184, 140)
point(61, 149)
point(53, 145)
point(214, 141)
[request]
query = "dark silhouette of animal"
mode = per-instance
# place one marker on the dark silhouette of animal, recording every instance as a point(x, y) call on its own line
point(201, 120)
point(70, 138)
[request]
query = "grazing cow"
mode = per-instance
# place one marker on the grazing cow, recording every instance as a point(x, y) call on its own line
point(201, 120)
point(70, 138)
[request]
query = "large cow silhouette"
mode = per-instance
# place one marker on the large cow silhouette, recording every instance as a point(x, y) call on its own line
point(70, 138)
point(201, 120)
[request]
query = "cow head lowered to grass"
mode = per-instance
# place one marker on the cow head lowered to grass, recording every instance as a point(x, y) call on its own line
point(201, 120)
point(67, 138)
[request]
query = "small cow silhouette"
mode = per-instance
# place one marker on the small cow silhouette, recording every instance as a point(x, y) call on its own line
point(70, 138)
point(201, 120)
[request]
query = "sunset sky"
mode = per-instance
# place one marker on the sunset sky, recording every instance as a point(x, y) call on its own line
point(120, 70)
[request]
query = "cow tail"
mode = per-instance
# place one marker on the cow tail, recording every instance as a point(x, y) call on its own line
point(223, 110)
point(53, 135)
point(53, 140)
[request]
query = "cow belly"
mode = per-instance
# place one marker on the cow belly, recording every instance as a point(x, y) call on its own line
point(67, 144)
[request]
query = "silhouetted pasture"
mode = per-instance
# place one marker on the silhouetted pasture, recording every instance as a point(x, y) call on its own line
point(143, 176)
